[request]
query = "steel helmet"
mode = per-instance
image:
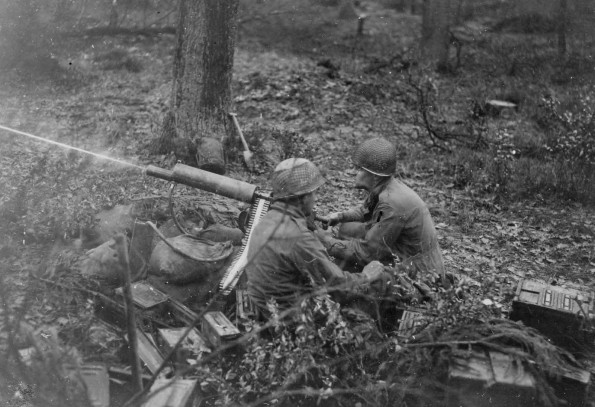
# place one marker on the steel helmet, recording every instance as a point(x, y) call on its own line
point(294, 177)
point(377, 155)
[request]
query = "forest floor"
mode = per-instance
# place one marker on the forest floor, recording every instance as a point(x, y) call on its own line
point(297, 91)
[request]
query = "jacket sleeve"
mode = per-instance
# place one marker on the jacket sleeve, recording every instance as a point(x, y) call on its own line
point(384, 229)
point(354, 215)
point(310, 256)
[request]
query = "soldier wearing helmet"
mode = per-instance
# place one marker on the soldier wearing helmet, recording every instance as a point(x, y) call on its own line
point(392, 222)
point(286, 261)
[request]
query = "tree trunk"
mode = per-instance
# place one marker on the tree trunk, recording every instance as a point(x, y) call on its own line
point(201, 95)
point(562, 28)
point(347, 10)
point(435, 36)
point(113, 15)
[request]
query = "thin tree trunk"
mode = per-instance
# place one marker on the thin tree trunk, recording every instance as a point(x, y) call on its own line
point(562, 27)
point(435, 38)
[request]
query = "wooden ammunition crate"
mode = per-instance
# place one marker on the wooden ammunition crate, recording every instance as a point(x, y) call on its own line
point(480, 378)
point(411, 323)
point(572, 386)
point(244, 308)
point(96, 380)
point(217, 328)
point(172, 393)
point(144, 295)
point(193, 346)
point(564, 315)
point(147, 351)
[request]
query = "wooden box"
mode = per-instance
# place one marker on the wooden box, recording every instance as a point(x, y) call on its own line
point(244, 308)
point(478, 379)
point(171, 393)
point(144, 295)
point(412, 322)
point(564, 315)
point(96, 380)
point(572, 386)
point(218, 329)
point(193, 345)
point(147, 351)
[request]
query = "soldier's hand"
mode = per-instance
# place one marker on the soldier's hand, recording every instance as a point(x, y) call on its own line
point(373, 270)
point(330, 220)
point(334, 218)
point(310, 223)
point(324, 236)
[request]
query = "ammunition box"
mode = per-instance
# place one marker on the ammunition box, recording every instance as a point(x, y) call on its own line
point(171, 393)
point(564, 315)
point(217, 328)
point(572, 386)
point(96, 381)
point(244, 308)
point(489, 379)
point(192, 346)
point(144, 295)
point(147, 351)
point(412, 322)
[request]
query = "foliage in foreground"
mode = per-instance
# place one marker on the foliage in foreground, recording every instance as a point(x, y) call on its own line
point(326, 357)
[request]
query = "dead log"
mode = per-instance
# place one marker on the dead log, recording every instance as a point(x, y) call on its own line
point(111, 31)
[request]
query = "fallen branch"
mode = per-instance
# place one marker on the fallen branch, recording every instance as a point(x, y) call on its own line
point(257, 17)
point(108, 31)
point(378, 64)
point(440, 137)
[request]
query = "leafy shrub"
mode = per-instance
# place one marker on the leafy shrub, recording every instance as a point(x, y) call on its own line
point(292, 144)
point(310, 353)
point(325, 357)
point(541, 178)
point(505, 152)
point(572, 127)
point(50, 199)
point(577, 67)
point(272, 145)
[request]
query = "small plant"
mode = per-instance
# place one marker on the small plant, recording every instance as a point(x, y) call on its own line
point(573, 133)
point(48, 198)
point(504, 153)
point(292, 144)
point(299, 355)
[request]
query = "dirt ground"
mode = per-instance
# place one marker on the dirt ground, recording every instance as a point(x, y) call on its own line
point(288, 102)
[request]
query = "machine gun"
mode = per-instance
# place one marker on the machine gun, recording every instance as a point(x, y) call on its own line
point(230, 188)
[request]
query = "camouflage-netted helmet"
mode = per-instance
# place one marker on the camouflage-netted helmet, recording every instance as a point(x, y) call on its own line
point(377, 155)
point(294, 177)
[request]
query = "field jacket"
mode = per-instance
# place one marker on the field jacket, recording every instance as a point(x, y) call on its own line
point(287, 261)
point(395, 223)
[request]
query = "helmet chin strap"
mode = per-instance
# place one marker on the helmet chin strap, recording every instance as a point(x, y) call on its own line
point(378, 184)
